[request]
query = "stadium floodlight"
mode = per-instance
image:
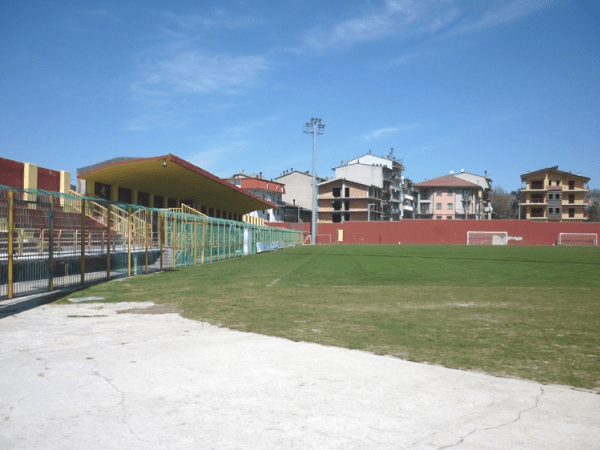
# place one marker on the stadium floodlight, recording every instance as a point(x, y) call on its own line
point(314, 127)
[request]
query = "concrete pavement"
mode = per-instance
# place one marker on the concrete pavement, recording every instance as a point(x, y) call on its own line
point(83, 376)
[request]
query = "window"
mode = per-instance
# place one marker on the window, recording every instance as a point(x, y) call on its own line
point(102, 190)
point(438, 217)
point(347, 192)
point(571, 211)
point(450, 191)
point(438, 206)
point(450, 206)
point(337, 205)
point(439, 192)
point(571, 185)
point(336, 218)
point(336, 192)
point(346, 217)
point(143, 198)
point(159, 201)
point(449, 217)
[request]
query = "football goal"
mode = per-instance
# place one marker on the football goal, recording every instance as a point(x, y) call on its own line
point(578, 239)
point(321, 239)
point(487, 237)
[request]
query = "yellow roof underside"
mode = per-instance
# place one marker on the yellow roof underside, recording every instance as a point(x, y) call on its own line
point(176, 181)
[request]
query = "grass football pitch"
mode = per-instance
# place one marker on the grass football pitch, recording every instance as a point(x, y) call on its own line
point(527, 312)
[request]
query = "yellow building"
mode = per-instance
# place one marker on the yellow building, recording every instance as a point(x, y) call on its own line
point(167, 182)
point(551, 195)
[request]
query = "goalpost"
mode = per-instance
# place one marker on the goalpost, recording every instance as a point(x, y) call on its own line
point(321, 239)
point(577, 239)
point(487, 238)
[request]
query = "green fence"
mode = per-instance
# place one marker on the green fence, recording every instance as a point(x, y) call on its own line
point(50, 240)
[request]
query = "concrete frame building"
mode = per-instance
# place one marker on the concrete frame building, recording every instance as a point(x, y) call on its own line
point(342, 200)
point(552, 195)
point(453, 197)
point(384, 174)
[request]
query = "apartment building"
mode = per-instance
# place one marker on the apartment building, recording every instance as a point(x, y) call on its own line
point(297, 198)
point(384, 174)
point(551, 195)
point(451, 197)
point(271, 191)
point(343, 200)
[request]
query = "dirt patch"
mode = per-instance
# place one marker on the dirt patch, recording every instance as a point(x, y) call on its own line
point(155, 309)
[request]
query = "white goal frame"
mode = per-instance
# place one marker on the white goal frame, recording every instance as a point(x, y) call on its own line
point(578, 239)
point(487, 237)
point(307, 238)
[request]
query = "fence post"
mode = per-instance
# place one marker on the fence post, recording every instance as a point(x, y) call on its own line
point(203, 239)
point(108, 211)
point(11, 225)
point(195, 240)
point(51, 245)
point(146, 217)
point(175, 240)
point(82, 241)
point(129, 225)
point(210, 242)
point(160, 238)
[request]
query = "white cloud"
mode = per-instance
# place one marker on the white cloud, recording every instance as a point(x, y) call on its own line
point(408, 18)
point(210, 158)
point(196, 72)
point(381, 132)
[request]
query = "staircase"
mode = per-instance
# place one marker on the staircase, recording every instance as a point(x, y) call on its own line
point(119, 218)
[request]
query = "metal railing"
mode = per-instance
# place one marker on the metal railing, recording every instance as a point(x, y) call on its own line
point(50, 240)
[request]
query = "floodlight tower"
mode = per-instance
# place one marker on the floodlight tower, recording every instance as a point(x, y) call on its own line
point(315, 127)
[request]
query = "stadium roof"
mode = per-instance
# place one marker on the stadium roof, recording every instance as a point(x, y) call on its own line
point(174, 177)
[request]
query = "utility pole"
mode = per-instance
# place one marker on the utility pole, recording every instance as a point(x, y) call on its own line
point(314, 126)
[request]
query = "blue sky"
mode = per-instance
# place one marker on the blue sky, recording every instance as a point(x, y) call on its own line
point(497, 86)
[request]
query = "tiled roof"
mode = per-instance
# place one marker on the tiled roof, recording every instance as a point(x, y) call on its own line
point(446, 181)
point(552, 169)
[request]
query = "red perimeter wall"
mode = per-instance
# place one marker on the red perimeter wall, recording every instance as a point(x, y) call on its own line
point(523, 232)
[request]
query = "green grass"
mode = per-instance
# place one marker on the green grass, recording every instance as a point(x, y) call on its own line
point(528, 312)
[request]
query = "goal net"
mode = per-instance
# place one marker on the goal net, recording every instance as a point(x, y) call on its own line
point(487, 237)
point(321, 239)
point(578, 239)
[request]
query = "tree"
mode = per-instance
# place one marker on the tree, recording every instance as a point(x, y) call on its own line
point(594, 212)
point(505, 205)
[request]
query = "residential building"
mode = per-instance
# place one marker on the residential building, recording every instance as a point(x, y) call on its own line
point(343, 200)
point(270, 191)
point(551, 195)
point(385, 174)
point(297, 198)
point(452, 197)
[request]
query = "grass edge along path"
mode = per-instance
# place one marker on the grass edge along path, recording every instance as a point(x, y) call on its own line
point(526, 312)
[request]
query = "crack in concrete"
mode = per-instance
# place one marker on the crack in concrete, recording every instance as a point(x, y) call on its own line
point(122, 403)
point(14, 405)
point(462, 439)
